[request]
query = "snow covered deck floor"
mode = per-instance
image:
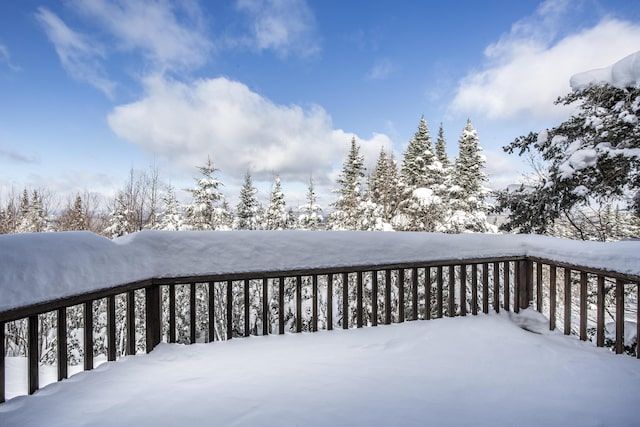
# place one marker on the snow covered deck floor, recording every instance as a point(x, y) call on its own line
point(479, 370)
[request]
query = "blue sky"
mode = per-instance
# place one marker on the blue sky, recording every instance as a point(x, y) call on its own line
point(90, 89)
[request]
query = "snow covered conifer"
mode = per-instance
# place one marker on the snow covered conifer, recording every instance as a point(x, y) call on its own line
point(248, 211)
point(345, 214)
point(384, 187)
point(310, 217)
point(276, 216)
point(201, 214)
point(73, 218)
point(417, 158)
point(118, 221)
point(441, 149)
point(171, 219)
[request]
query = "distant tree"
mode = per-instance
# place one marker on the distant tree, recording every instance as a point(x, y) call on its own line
point(202, 214)
point(417, 159)
point(34, 218)
point(171, 217)
point(73, 217)
point(276, 216)
point(119, 219)
point(310, 216)
point(441, 148)
point(384, 188)
point(346, 208)
point(248, 211)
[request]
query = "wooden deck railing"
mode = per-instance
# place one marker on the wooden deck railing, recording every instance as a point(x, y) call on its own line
point(422, 290)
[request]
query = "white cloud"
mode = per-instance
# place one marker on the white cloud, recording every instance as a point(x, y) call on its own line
point(240, 129)
point(528, 68)
point(382, 69)
point(5, 57)
point(169, 34)
point(79, 55)
point(284, 26)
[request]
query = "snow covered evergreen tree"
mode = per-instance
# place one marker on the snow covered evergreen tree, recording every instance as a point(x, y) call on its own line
point(276, 216)
point(384, 189)
point(171, 218)
point(119, 219)
point(34, 219)
point(248, 211)
point(417, 159)
point(73, 218)
point(346, 208)
point(310, 217)
point(202, 213)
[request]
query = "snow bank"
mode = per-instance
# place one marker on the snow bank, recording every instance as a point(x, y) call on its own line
point(622, 74)
point(469, 371)
point(40, 267)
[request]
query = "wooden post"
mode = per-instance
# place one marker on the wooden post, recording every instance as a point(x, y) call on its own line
point(474, 289)
point(88, 335)
point(266, 319)
point(330, 302)
point(211, 312)
point(153, 320)
point(345, 300)
point(600, 312)
point(539, 301)
point(387, 297)
point(229, 309)
point(111, 330)
point(172, 313)
point(401, 295)
point(414, 293)
point(552, 297)
point(359, 291)
point(427, 293)
point(131, 323)
point(439, 292)
point(314, 303)
point(192, 313)
point(281, 305)
point(507, 286)
point(619, 316)
point(452, 291)
point(374, 298)
point(463, 290)
point(496, 287)
point(485, 288)
point(638, 320)
point(298, 303)
point(525, 284)
point(2, 368)
point(567, 301)
point(62, 344)
point(246, 308)
point(583, 306)
point(33, 356)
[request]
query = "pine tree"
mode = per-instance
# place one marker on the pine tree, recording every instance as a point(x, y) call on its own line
point(73, 218)
point(310, 218)
point(171, 219)
point(276, 217)
point(201, 215)
point(417, 158)
point(441, 148)
point(34, 219)
point(248, 211)
point(384, 187)
point(118, 222)
point(345, 214)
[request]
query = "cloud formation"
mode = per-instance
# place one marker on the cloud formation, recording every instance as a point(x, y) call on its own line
point(287, 27)
point(79, 55)
point(240, 129)
point(5, 57)
point(382, 69)
point(16, 157)
point(528, 68)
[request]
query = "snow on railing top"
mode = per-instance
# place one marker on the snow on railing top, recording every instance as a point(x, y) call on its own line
point(41, 267)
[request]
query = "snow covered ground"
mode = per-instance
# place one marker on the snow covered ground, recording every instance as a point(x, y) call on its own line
point(481, 371)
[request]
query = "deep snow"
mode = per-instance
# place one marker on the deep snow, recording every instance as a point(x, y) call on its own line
point(44, 266)
point(471, 371)
point(622, 74)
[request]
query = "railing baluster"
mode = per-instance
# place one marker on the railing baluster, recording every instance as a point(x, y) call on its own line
point(374, 298)
point(359, 299)
point(583, 306)
point(153, 312)
point(314, 303)
point(229, 309)
point(427, 293)
point(619, 316)
point(62, 343)
point(496, 287)
point(414, 293)
point(474, 289)
point(131, 323)
point(33, 354)
point(88, 335)
point(463, 290)
point(517, 285)
point(192, 313)
point(485, 288)
point(439, 292)
point(265, 306)
point(452, 291)
point(111, 332)
point(211, 312)
point(246, 308)
point(600, 312)
point(2, 367)
point(281, 305)
point(539, 301)
point(387, 297)
point(172, 313)
point(401, 295)
point(552, 297)
point(567, 301)
point(507, 286)
point(298, 303)
point(345, 300)
point(330, 301)
point(638, 320)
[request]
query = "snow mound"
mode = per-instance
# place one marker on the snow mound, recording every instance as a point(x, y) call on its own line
point(630, 332)
point(624, 73)
point(531, 320)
